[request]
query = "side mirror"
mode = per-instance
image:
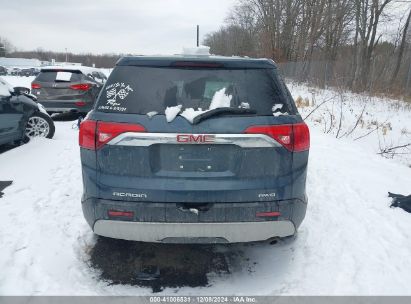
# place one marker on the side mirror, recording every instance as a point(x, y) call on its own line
point(24, 91)
point(21, 90)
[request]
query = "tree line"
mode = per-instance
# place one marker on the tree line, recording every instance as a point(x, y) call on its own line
point(88, 59)
point(363, 45)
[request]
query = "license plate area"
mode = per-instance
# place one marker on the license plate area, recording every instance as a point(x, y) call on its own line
point(200, 158)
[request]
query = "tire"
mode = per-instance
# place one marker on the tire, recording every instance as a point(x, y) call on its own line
point(39, 125)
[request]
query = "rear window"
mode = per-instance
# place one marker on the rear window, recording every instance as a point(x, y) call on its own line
point(97, 76)
point(59, 76)
point(140, 90)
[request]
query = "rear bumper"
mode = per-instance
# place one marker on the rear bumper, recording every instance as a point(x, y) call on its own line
point(194, 232)
point(66, 106)
point(212, 223)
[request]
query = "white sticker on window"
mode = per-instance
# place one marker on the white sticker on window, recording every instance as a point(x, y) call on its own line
point(63, 76)
point(115, 93)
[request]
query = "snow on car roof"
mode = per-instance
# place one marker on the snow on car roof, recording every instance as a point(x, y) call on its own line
point(81, 68)
point(5, 88)
point(200, 50)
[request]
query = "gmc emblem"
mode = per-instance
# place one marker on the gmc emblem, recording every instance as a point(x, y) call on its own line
point(196, 139)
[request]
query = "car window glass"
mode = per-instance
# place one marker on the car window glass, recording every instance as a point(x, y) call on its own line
point(141, 90)
point(63, 76)
point(96, 76)
point(51, 76)
point(102, 76)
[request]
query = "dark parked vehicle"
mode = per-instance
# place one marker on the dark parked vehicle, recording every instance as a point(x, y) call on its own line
point(21, 118)
point(68, 89)
point(15, 71)
point(231, 167)
point(29, 72)
point(3, 71)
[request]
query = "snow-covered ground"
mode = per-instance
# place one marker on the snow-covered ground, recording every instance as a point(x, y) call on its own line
point(380, 124)
point(18, 81)
point(350, 243)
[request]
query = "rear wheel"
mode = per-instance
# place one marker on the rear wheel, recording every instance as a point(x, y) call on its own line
point(39, 125)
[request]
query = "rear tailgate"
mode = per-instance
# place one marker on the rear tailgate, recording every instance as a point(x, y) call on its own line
point(236, 156)
point(214, 161)
point(59, 85)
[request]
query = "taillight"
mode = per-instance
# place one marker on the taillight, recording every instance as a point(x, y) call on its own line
point(295, 138)
point(81, 86)
point(268, 214)
point(301, 137)
point(35, 86)
point(196, 64)
point(94, 135)
point(87, 135)
point(116, 213)
point(80, 103)
point(106, 131)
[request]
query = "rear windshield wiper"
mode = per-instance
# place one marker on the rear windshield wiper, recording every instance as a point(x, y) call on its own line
point(219, 111)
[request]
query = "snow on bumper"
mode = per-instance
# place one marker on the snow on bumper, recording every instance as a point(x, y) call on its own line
point(194, 232)
point(42, 109)
point(67, 106)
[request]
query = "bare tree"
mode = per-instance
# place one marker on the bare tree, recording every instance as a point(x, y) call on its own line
point(401, 49)
point(368, 14)
point(5, 47)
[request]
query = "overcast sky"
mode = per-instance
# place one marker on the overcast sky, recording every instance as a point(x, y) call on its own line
point(104, 26)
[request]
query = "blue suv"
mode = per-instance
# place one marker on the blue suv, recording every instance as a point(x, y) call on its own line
point(194, 149)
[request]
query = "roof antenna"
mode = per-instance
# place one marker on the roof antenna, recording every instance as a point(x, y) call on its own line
point(198, 35)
